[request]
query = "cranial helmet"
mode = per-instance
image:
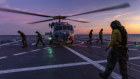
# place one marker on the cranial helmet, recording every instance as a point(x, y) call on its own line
point(18, 31)
point(115, 24)
point(102, 29)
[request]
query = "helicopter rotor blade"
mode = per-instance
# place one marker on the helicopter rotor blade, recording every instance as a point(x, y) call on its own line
point(23, 12)
point(77, 20)
point(41, 21)
point(125, 5)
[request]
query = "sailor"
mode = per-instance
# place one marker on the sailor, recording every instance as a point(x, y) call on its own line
point(118, 52)
point(100, 36)
point(90, 36)
point(39, 38)
point(24, 42)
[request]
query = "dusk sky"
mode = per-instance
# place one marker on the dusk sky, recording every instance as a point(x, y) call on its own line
point(11, 22)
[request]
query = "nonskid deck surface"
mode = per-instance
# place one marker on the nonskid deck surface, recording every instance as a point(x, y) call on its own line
point(78, 61)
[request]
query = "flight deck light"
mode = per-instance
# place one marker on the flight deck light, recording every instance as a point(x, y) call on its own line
point(50, 38)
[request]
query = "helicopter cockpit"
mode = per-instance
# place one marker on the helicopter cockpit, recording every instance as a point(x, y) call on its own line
point(63, 26)
point(62, 31)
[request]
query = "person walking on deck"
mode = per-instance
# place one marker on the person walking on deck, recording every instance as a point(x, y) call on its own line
point(100, 36)
point(24, 42)
point(90, 36)
point(39, 39)
point(118, 52)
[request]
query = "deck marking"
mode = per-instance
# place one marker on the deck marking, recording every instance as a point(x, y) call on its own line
point(94, 63)
point(131, 58)
point(9, 43)
point(15, 44)
point(82, 42)
point(33, 44)
point(81, 45)
point(20, 53)
point(134, 64)
point(134, 69)
point(3, 57)
point(96, 46)
point(46, 47)
point(42, 67)
point(5, 44)
point(35, 50)
point(132, 49)
point(130, 44)
point(134, 58)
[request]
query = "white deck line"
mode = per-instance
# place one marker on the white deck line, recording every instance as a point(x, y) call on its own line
point(134, 69)
point(3, 57)
point(131, 58)
point(94, 63)
point(20, 53)
point(133, 49)
point(5, 44)
point(42, 67)
point(35, 50)
point(134, 58)
point(96, 46)
point(9, 43)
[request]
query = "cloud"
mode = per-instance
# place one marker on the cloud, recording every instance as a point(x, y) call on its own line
point(119, 16)
point(136, 18)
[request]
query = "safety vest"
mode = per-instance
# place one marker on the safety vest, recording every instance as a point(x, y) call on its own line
point(123, 35)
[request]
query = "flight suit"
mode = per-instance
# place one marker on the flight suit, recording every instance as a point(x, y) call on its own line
point(39, 39)
point(24, 42)
point(90, 37)
point(100, 37)
point(118, 53)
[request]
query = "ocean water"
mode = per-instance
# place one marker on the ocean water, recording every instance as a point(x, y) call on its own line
point(7, 38)
point(131, 37)
point(10, 38)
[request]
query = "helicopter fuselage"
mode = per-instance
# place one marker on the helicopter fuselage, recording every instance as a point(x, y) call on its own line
point(62, 32)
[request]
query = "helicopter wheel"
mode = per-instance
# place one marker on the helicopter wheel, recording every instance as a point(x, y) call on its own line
point(72, 42)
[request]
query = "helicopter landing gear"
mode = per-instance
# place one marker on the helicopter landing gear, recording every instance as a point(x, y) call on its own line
point(72, 42)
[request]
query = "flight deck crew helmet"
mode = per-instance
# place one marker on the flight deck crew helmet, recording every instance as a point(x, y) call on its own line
point(19, 31)
point(101, 29)
point(36, 32)
point(115, 24)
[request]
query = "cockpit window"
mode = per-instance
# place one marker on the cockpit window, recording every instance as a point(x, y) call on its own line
point(64, 27)
point(69, 28)
point(57, 28)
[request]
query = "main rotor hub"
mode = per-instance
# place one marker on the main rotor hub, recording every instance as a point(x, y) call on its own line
point(59, 17)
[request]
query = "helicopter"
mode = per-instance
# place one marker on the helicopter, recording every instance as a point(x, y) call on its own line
point(63, 31)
